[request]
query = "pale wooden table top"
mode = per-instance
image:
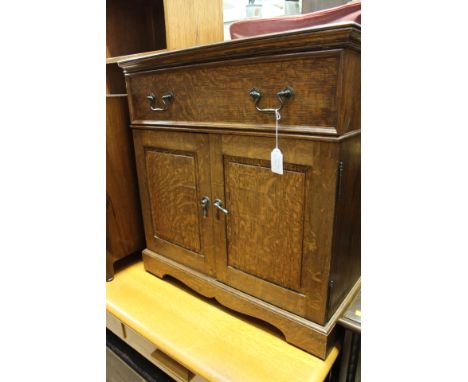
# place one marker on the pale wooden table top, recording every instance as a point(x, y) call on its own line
point(210, 340)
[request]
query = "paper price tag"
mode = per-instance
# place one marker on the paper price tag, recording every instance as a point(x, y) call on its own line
point(277, 161)
point(276, 154)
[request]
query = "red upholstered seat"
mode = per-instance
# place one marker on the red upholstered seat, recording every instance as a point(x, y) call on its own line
point(255, 27)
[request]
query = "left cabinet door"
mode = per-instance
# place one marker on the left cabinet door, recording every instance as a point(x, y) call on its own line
point(174, 177)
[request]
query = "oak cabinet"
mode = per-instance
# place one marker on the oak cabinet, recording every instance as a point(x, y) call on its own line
point(282, 248)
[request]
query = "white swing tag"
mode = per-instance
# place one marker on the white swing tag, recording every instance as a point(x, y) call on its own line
point(276, 154)
point(277, 161)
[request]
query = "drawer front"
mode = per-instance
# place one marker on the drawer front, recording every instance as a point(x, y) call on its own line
point(155, 356)
point(114, 325)
point(148, 350)
point(217, 94)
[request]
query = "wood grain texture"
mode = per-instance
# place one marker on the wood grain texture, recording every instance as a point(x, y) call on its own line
point(317, 161)
point(313, 338)
point(147, 349)
point(116, 59)
point(134, 27)
point(123, 211)
point(172, 190)
point(346, 261)
point(131, 28)
point(306, 274)
point(155, 355)
point(201, 94)
point(114, 325)
point(265, 224)
point(171, 367)
point(200, 22)
point(345, 266)
point(115, 81)
point(349, 92)
point(326, 37)
point(310, 134)
point(173, 173)
point(211, 341)
point(149, 25)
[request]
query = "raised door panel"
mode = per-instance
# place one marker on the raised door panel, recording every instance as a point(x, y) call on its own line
point(267, 220)
point(172, 190)
point(275, 243)
point(173, 170)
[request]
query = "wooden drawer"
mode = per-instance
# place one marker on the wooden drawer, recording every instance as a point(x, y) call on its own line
point(217, 94)
point(156, 356)
point(149, 350)
point(114, 325)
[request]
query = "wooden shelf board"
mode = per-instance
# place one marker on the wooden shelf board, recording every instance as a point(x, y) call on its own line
point(213, 342)
point(114, 60)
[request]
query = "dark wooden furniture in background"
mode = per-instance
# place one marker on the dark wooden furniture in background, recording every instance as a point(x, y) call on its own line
point(282, 248)
point(133, 27)
point(123, 213)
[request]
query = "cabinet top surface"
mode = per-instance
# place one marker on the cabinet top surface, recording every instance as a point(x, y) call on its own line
point(206, 338)
point(325, 37)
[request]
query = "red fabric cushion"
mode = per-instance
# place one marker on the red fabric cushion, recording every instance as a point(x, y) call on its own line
point(249, 28)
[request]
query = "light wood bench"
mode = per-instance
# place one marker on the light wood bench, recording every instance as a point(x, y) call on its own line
point(195, 339)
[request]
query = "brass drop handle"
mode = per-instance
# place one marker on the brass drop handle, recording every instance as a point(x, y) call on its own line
point(205, 202)
point(218, 203)
point(166, 99)
point(282, 95)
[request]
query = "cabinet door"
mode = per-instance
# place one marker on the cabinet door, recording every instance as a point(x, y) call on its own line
point(275, 242)
point(174, 176)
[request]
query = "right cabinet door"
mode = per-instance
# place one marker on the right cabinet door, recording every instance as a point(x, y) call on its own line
point(275, 241)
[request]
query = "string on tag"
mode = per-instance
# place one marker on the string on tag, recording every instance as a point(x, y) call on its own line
point(277, 117)
point(276, 154)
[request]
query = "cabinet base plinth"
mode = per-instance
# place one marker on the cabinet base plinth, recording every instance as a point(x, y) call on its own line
point(307, 335)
